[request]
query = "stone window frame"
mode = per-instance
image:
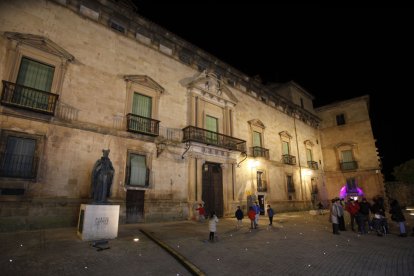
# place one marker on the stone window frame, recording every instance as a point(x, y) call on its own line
point(148, 161)
point(40, 49)
point(4, 134)
point(258, 126)
point(291, 195)
point(265, 178)
point(345, 147)
point(309, 146)
point(286, 137)
point(146, 86)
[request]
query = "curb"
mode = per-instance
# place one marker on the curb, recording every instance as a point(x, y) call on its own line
point(194, 270)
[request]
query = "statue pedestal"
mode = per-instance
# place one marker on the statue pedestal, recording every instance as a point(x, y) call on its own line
point(98, 222)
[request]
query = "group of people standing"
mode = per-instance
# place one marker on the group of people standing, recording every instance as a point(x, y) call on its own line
point(253, 214)
point(360, 215)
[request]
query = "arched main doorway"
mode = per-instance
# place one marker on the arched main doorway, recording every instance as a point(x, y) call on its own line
point(212, 192)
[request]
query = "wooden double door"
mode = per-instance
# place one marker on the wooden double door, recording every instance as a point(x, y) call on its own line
point(212, 188)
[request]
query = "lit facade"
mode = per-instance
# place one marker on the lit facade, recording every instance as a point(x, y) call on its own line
point(182, 126)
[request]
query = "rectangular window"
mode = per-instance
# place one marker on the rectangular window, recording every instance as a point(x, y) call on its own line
point(36, 75)
point(211, 125)
point(138, 171)
point(290, 185)
point(33, 75)
point(285, 148)
point(301, 103)
point(18, 159)
point(309, 155)
point(257, 139)
point(347, 156)
point(340, 119)
point(117, 27)
point(261, 181)
point(142, 105)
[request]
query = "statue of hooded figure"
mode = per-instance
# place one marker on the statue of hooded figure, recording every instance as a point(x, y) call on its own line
point(102, 176)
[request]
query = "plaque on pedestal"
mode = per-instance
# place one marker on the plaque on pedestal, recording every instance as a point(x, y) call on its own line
point(98, 222)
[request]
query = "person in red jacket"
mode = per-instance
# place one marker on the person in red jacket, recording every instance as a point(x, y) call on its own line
point(252, 216)
point(353, 209)
point(201, 213)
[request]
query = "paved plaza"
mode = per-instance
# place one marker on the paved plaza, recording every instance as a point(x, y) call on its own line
point(297, 244)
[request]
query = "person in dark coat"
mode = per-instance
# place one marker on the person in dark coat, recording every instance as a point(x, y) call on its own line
point(270, 214)
point(364, 208)
point(379, 222)
point(239, 215)
point(398, 216)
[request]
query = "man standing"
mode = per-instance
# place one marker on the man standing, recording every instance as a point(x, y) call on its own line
point(270, 213)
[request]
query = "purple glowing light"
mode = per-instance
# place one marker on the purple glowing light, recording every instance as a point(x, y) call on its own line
point(343, 192)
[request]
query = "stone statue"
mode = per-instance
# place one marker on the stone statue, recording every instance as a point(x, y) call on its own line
point(102, 176)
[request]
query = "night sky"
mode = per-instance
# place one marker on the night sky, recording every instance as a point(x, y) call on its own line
point(334, 53)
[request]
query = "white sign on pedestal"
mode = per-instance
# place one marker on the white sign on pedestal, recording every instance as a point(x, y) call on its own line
point(98, 222)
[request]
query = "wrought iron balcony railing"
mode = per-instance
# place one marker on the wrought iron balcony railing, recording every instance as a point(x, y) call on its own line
point(28, 98)
point(260, 152)
point(289, 159)
point(17, 165)
point(349, 166)
point(313, 165)
point(200, 135)
point(143, 125)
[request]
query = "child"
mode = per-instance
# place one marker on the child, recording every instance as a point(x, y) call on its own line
point(212, 225)
point(201, 213)
point(239, 215)
point(270, 213)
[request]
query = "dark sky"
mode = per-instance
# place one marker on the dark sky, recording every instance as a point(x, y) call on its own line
point(334, 53)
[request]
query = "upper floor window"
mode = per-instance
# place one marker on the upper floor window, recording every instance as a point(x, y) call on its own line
point(348, 162)
point(142, 98)
point(211, 124)
point(309, 156)
point(340, 119)
point(141, 105)
point(301, 103)
point(35, 72)
point(285, 148)
point(257, 139)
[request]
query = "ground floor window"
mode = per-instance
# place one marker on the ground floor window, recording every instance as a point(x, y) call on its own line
point(18, 155)
point(138, 171)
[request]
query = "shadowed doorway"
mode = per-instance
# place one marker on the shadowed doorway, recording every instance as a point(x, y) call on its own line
point(135, 206)
point(212, 193)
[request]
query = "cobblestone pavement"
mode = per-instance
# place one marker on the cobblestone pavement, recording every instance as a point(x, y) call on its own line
point(297, 244)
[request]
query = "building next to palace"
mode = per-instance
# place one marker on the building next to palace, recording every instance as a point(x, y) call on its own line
point(80, 76)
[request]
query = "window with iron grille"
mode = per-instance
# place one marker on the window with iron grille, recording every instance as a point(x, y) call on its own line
point(290, 184)
point(18, 157)
point(261, 181)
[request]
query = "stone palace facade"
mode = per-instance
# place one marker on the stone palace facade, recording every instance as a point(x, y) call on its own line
point(80, 76)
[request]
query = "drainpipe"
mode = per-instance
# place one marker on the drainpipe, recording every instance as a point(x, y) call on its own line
point(300, 167)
